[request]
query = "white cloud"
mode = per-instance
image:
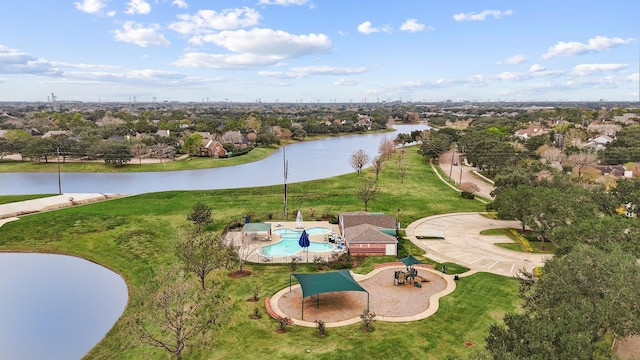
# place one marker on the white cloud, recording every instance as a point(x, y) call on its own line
point(328, 70)
point(536, 68)
point(367, 28)
point(138, 7)
point(134, 33)
point(514, 60)
point(225, 61)
point(513, 76)
point(305, 71)
point(412, 25)
point(496, 14)
point(588, 69)
point(90, 6)
point(207, 21)
point(347, 82)
point(282, 2)
point(634, 77)
point(15, 62)
point(269, 42)
point(596, 44)
point(182, 4)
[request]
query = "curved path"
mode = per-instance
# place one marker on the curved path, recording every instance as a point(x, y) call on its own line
point(463, 244)
point(389, 302)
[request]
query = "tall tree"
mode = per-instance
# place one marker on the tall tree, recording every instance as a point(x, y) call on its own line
point(367, 191)
point(582, 297)
point(177, 313)
point(378, 164)
point(359, 159)
point(200, 215)
point(202, 253)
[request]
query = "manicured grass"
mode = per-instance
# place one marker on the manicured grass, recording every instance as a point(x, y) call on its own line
point(256, 154)
point(135, 235)
point(537, 246)
point(5, 199)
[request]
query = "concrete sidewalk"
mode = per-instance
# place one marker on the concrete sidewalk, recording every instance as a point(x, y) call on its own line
point(12, 211)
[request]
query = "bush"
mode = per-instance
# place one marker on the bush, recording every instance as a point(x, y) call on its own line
point(467, 195)
point(321, 326)
point(367, 320)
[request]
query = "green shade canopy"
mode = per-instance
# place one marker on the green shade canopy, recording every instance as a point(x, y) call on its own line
point(410, 260)
point(313, 284)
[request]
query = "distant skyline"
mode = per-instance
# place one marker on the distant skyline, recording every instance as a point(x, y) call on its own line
point(319, 50)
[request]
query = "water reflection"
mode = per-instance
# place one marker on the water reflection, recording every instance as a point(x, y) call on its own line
point(307, 161)
point(55, 306)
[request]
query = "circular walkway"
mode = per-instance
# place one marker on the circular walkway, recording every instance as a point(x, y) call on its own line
point(394, 303)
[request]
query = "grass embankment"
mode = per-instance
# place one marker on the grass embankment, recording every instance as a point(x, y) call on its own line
point(134, 236)
point(256, 154)
point(6, 199)
point(531, 238)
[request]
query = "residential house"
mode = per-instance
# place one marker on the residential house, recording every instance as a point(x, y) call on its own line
point(213, 148)
point(599, 142)
point(532, 130)
point(364, 121)
point(369, 234)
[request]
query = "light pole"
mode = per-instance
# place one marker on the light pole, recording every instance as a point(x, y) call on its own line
point(455, 148)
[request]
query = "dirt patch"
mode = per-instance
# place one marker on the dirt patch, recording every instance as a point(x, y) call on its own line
point(385, 299)
point(240, 274)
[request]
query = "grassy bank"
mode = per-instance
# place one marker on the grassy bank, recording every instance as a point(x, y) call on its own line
point(134, 236)
point(256, 154)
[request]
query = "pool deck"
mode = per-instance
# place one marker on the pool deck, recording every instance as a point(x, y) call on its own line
point(258, 242)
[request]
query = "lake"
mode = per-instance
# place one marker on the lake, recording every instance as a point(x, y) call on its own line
point(310, 160)
point(55, 306)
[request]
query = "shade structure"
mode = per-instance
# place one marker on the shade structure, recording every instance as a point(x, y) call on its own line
point(410, 260)
point(315, 284)
point(304, 242)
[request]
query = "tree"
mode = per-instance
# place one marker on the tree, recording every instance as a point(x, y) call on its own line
point(468, 189)
point(386, 148)
point(192, 144)
point(367, 191)
point(116, 152)
point(242, 252)
point(18, 139)
point(435, 144)
point(200, 215)
point(267, 136)
point(177, 313)
point(202, 253)
point(513, 203)
point(139, 150)
point(378, 164)
point(359, 159)
point(582, 297)
point(581, 159)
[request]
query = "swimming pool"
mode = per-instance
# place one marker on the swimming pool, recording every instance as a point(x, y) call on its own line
point(290, 247)
point(291, 233)
point(289, 243)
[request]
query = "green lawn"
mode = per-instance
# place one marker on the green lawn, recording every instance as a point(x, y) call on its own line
point(134, 235)
point(256, 154)
point(5, 199)
point(537, 246)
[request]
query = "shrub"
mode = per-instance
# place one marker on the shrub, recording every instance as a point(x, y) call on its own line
point(321, 326)
point(367, 320)
point(467, 195)
point(283, 322)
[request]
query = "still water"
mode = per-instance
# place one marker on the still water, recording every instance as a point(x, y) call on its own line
point(59, 307)
point(306, 161)
point(55, 306)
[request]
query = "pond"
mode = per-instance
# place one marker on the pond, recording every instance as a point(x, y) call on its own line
point(310, 160)
point(55, 306)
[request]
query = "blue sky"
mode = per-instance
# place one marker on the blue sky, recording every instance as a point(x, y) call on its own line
point(319, 50)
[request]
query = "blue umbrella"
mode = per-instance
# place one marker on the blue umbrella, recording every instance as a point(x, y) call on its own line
point(304, 242)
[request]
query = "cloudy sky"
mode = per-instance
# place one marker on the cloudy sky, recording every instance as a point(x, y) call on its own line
point(319, 50)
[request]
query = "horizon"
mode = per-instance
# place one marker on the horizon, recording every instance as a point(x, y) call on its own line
point(310, 51)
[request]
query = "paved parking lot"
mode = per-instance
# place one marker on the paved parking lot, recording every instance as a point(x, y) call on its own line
point(463, 244)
